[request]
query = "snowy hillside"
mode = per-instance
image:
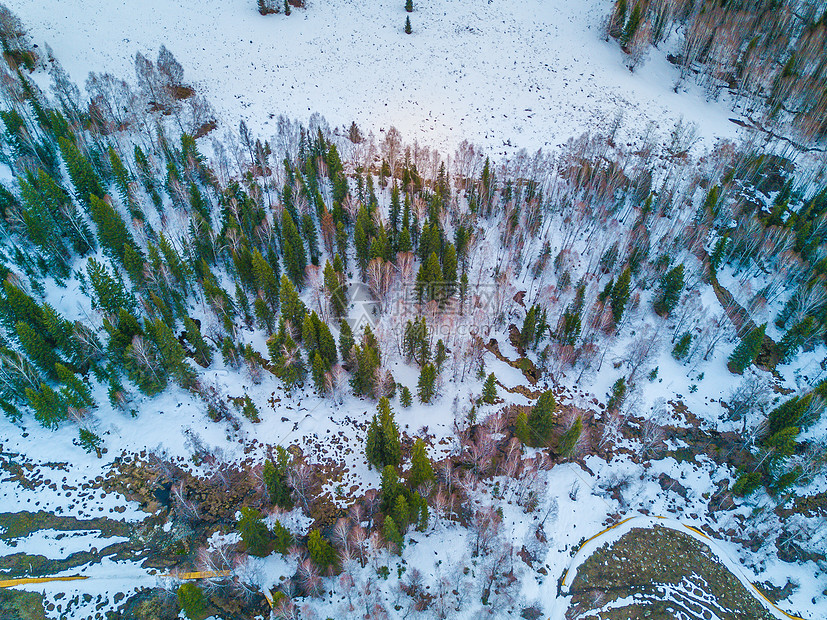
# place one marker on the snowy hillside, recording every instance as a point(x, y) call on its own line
point(304, 316)
point(499, 74)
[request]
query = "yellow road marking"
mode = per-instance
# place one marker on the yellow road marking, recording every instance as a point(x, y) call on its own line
point(10, 583)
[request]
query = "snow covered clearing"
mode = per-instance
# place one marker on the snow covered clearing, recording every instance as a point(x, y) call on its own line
point(500, 74)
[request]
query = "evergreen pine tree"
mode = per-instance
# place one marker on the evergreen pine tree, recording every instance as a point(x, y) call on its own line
point(89, 441)
point(747, 350)
point(289, 363)
point(789, 413)
point(254, 532)
point(366, 360)
point(320, 551)
point(440, 355)
point(326, 342)
point(383, 445)
point(670, 291)
point(292, 307)
point(390, 532)
point(426, 387)
point(75, 392)
point(192, 601)
point(746, 484)
point(408, 29)
point(346, 341)
point(177, 267)
point(133, 262)
point(569, 439)
point(569, 327)
point(541, 418)
point(242, 304)
point(780, 446)
point(620, 294)
point(489, 390)
point(38, 350)
point(449, 268)
point(529, 331)
point(243, 263)
point(249, 409)
point(275, 479)
point(60, 332)
point(295, 258)
point(409, 6)
point(144, 366)
point(405, 244)
point(617, 395)
point(282, 538)
point(632, 25)
point(173, 356)
point(309, 338)
point(49, 407)
point(335, 291)
point(681, 348)
point(122, 181)
point(389, 489)
point(112, 232)
point(318, 370)
point(202, 351)
point(711, 203)
point(229, 353)
point(795, 337)
point(421, 468)
point(110, 292)
point(405, 397)
point(81, 173)
point(20, 307)
point(401, 513)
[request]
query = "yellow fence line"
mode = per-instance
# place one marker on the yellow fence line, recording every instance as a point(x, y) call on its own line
point(199, 575)
point(10, 583)
point(689, 527)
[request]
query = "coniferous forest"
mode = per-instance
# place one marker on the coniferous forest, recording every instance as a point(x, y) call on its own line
point(325, 372)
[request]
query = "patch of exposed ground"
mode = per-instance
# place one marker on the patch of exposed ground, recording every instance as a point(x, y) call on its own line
point(661, 574)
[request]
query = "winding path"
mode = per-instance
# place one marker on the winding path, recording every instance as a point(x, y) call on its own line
point(613, 533)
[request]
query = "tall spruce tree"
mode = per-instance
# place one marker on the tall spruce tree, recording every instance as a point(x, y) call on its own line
point(426, 387)
point(383, 447)
point(489, 390)
point(421, 469)
point(83, 176)
point(568, 440)
point(747, 350)
point(295, 257)
point(112, 232)
point(37, 348)
point(669, 292)
point(541, 419)
point(202, 351)
point(292, 307)
point(275, 479)
point(254, 532)
point(173, 356)
point(620, 294)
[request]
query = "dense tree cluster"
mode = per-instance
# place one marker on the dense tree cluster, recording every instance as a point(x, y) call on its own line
point(769, 54)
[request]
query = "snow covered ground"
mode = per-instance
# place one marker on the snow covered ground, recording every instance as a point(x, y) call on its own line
point(499, 74)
